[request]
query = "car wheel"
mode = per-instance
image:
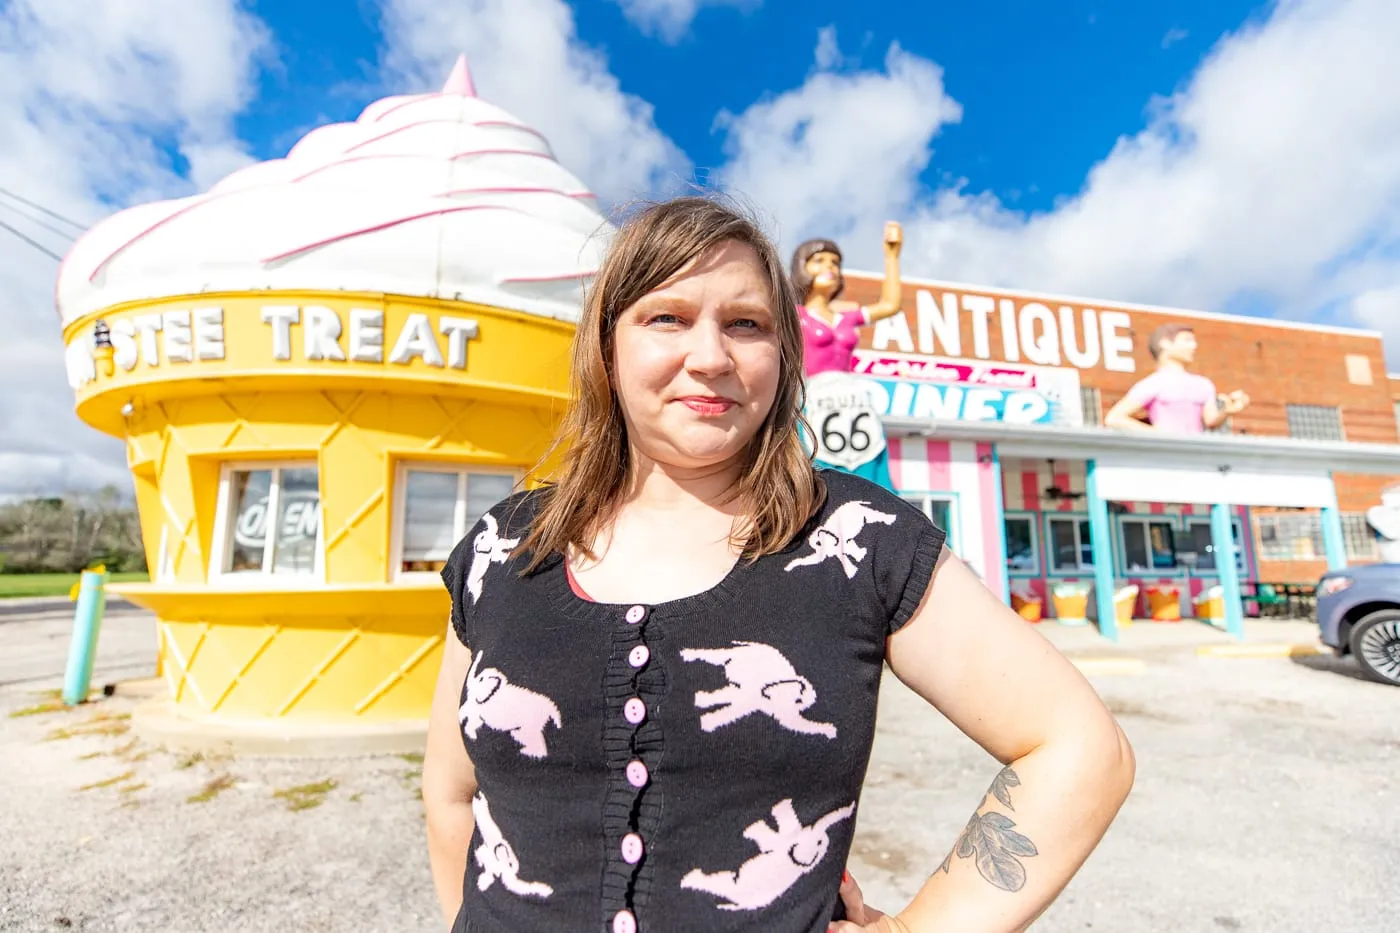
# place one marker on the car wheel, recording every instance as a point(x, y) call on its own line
point(1375, 641)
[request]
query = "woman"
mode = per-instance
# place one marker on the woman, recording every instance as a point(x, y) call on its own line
point(657, 696)
point(831, 328)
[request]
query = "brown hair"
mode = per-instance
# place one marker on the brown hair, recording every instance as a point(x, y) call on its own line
point(801, 280)
point(1165, 334)
point(778, 488)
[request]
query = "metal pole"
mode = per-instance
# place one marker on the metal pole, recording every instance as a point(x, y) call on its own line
point(1101, 531)
point(87, 624)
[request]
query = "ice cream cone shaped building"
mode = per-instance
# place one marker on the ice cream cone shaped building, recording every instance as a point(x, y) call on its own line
point(324, 369)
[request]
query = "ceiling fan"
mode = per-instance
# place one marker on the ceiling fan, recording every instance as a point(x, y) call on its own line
point(1056, 492)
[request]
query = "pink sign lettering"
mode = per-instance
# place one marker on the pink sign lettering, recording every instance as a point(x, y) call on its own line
point(1000, 376)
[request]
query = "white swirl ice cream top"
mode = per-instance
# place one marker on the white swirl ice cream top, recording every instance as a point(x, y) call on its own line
point(440, 195)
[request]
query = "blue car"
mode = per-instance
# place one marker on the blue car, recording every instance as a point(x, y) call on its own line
point(1358, 611)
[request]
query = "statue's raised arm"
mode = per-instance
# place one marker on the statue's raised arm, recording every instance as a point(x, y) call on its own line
point(831, 328)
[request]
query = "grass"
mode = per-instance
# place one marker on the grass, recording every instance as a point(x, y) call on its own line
point(54, 584)
point(306, 796)
point(101, 724)
point(48, 706)
point(119, 779)
point(216, 786)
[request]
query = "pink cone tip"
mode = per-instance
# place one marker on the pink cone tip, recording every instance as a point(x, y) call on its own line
point(460, 80)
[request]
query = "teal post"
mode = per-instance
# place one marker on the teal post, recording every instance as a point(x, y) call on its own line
point(999, 496)
point(1102, 543)
point(1222, 539)
point(1334, 542)
point(87, 624)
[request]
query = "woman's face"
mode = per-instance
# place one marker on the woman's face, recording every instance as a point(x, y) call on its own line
point(825, 270)
point(697, 361)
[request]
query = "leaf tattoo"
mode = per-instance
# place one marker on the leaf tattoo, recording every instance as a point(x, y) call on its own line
point(1001, 787)
point(991, 839)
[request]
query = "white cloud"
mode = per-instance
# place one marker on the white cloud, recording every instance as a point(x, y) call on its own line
point(669, 19)
point(843, 152)
point(526, 57)
point(1271, 174)
point(91, 94)
point(1173, 36)
point(828, 55)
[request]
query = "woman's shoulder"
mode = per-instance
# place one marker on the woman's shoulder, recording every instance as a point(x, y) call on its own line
point(845, 488)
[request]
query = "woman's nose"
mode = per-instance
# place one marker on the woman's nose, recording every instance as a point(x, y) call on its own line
point(708, 353)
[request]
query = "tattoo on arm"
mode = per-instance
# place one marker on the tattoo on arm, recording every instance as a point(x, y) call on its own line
point(991, 839)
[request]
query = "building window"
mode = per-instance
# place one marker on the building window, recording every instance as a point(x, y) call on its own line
point(1092, 405)
point(1292, 535)
point(1201, 541)
point(1315, 422)
point(1071, 547)
point(269, 521)
point(939, 510)
point(1149, 545)
point(435, 506)
point(1022, 545)
point(1360, 539)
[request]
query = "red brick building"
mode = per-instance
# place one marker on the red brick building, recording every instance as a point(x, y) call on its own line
point(1323, 416)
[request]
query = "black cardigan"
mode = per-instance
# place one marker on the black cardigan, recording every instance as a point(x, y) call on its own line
point(688, 766)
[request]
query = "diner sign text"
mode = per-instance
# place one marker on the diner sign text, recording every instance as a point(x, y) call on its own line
point(1023, 328)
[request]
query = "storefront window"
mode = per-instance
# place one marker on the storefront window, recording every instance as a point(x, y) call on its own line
point(1148, 546)
point(1022, 550)
point(272, 521)
point(438, 505)
point(1071, 547)
point(1202, 544)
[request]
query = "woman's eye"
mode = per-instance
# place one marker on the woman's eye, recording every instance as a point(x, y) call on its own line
point(662, 319)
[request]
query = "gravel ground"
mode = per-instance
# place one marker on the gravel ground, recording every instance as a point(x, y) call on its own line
point(1265, 801)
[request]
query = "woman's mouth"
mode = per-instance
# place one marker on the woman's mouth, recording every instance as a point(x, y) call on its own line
point(707, 404)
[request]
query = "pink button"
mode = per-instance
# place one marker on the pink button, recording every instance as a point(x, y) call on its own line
point(639, 656)
point(631, 848)
point(634, 711)
point(624, 922)
point(636, 614)
point(636, 774)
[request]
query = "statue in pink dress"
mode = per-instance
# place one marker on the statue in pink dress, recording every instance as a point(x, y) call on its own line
point(831, 328)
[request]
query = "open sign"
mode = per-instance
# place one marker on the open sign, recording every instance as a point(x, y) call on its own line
point(301, 520)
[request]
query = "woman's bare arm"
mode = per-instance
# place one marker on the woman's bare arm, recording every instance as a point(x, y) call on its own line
point(1068, 766)
point(449, 781)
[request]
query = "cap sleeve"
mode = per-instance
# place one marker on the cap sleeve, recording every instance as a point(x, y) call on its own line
point(903, 544)
point(470, 567)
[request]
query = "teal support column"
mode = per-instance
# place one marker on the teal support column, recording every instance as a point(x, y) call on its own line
point(1102, 541)
point(999, 503)
point(1222, 539)
point(87, 624)
point(1334, 542)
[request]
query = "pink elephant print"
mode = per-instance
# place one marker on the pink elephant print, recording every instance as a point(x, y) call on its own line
point(487, 548)
point(761, 680)
point(836, 537)
point(497, 860)
point(785, 854)
point(496, 703)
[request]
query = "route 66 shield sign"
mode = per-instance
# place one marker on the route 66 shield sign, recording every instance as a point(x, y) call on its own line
point(844, 420)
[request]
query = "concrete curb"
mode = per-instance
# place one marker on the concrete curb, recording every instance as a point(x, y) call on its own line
point(157, 721)
point(1109, 665)
point(1266, 650)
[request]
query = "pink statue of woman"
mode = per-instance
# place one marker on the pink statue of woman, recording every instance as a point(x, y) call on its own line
point(831, 328)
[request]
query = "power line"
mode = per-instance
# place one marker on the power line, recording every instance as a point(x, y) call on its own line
point(35, 220)
point(39, 207)
point(39, 246)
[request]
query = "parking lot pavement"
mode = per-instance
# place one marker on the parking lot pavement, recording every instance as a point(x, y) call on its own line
point(1265, 801)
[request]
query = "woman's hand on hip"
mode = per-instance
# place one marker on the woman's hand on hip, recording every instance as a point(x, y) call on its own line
point(862, 917)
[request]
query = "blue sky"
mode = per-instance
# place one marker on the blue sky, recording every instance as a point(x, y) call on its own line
point(1226, 155)
point(1046, 87)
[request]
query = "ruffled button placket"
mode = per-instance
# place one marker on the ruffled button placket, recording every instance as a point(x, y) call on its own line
point(634, 685)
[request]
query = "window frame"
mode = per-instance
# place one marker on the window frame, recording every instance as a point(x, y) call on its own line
point(1146, 520)
point(1260, 546)
point(917, 498)
point(398, 507)
point(1038, 555)
point(1374, 552)
point(1048, 538)
point(223, 531)
point(1094, 418)
point(1241, 559)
